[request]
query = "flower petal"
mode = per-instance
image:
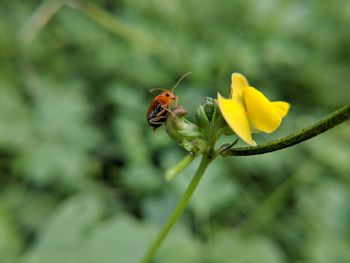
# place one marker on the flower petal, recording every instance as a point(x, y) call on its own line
point(235, 115)
point(263, 115)
point(238, 84)
point(282, 107)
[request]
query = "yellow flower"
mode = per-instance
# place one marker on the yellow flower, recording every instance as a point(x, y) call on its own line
point(248, 110)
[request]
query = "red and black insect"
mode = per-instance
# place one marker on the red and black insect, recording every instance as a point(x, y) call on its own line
point(159, 108)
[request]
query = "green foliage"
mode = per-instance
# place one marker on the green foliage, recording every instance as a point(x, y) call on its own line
point(81, 172)
point(230, 247)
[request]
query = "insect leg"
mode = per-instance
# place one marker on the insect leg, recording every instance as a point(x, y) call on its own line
point(158, 120)
point(162, 112)
point(168, 110)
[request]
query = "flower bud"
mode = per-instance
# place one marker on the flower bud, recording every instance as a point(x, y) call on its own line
point(209, 108)
point(201, 118)
point(208, 116)
point(184, 131)
point(217, 120)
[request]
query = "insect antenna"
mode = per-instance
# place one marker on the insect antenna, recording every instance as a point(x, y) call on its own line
point(178, 82)
point(156, 89)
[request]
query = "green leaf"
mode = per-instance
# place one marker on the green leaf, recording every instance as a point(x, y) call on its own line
point(228, 246)
point(57, 149)
point(10, 242)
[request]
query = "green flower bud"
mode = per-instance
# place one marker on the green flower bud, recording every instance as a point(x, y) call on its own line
point(218, 121)
point(185, 132)
point(201, 118)
point(208, 117)
point(179, 128)
point(195, 146)
point(209, 107)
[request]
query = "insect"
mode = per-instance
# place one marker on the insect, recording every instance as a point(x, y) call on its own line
point(159, 108)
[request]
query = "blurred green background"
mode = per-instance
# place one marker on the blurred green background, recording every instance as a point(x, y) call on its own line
point(81, 172)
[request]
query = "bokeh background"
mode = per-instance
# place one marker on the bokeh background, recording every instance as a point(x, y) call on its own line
point(82, 173)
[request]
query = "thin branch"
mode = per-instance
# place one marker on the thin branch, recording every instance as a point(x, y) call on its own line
point(178, 168)
point(121, 29)
point(185, 198)
point(37, 21)
point(319, 127)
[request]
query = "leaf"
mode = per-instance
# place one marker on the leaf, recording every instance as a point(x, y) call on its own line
point(10, 242)
point(141, 178)
point(76, 232)
point(229, 246)
point(57, 148)
point(63, 236)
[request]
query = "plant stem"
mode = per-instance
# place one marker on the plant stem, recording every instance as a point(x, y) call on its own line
point(121, 29)
point(319, 127)
point(179, 167)
point(206, 159)
point(269, 208)
point(107, 21)
point(38, 19)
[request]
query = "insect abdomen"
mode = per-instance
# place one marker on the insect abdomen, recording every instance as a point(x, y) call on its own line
point(157, 116)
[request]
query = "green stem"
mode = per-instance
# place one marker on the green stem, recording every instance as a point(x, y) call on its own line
point(120, 28)
point(206, 159)
point(106, 20)
point(179, 167)
point(321, 126)
point(38, 19)
point(269, 207)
